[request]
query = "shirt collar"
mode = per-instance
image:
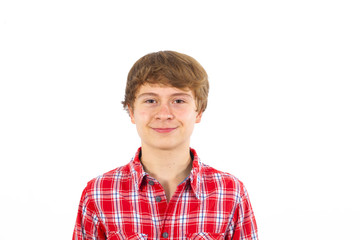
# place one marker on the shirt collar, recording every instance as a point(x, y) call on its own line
point(137, 169)
point(139, 174)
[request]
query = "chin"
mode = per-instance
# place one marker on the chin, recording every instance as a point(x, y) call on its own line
point(165, 146)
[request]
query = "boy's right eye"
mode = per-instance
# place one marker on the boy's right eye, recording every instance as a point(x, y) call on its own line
point(151, 101)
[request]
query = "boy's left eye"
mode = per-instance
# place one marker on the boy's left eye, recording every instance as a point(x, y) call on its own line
point(179, 101)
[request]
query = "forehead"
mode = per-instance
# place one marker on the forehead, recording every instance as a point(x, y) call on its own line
point(162, 90)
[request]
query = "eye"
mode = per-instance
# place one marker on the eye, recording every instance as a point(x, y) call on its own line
point(150, 101)
point(179, 101)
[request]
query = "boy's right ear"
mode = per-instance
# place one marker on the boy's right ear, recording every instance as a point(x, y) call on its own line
point(131, 114)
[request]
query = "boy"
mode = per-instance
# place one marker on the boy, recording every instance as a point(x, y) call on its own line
point(165, 192)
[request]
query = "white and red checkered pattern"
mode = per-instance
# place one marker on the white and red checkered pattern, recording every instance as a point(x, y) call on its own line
point(127, 203)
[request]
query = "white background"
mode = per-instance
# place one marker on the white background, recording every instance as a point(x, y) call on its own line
point(283, 114)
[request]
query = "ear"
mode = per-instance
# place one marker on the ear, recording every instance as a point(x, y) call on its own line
point(131, 114)
point(198, 117)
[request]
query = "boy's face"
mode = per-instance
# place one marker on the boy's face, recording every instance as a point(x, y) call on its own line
point(164, 116)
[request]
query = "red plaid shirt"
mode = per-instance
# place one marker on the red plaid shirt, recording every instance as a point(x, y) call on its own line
point(127, 203)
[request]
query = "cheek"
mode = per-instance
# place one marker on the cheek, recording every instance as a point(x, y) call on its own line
point(188, 117)
point(141, 116)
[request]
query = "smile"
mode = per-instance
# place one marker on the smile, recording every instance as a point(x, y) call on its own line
point(163, 130)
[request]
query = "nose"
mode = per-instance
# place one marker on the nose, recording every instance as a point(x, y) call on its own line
point(164, 112)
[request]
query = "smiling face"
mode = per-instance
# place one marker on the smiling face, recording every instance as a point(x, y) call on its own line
point(164, 116)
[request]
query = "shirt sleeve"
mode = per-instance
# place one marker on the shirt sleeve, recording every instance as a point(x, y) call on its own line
point(245, 227)
point(87, 222)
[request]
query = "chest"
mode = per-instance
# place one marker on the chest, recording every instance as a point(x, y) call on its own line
point(147, 215)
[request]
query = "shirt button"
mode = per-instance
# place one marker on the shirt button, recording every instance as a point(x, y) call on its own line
point(151, 183)
point(165, 235)
point(158, 199)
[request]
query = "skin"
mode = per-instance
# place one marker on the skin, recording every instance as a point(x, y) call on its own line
point(165, 118)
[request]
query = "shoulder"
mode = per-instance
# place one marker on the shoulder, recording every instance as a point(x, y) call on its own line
point(218, 181)
point(108, 180)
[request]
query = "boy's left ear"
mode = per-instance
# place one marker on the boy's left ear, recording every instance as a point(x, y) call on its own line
point(198, 117)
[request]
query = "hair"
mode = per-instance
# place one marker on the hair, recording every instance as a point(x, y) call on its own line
point(168, 68)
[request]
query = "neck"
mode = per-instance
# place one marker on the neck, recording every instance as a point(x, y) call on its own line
point(167, 165)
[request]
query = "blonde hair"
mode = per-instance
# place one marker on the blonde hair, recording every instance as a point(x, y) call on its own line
point(168, 68)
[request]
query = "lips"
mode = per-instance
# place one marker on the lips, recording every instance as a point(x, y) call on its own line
point(163, 130)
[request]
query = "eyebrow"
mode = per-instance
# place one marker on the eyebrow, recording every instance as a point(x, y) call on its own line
point(156, 95)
